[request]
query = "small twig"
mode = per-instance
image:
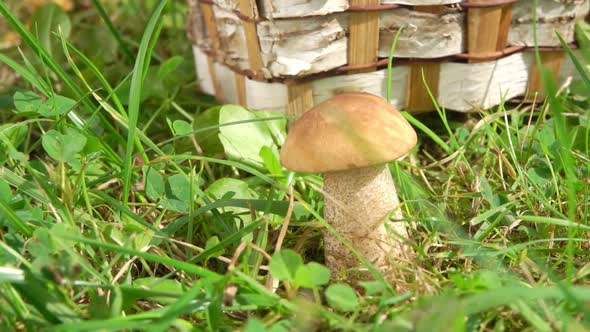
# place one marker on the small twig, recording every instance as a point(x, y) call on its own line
point(201, 153)
point(260, 250)
point(272, 283)
point(123, 270)
point(196, 248)
point(236, 255)
point(285, 226)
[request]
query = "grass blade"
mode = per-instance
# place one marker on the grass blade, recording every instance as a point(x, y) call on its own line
point(579, 67)
point(183, 266)
point(135, 96)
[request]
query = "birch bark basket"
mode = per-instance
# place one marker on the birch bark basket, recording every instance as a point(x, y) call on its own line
point(313, 44)
point(316, 43)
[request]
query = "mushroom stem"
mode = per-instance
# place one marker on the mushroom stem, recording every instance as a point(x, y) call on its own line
point(356, 203)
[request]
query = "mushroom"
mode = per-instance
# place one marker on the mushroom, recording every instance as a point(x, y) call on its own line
point(350, 138)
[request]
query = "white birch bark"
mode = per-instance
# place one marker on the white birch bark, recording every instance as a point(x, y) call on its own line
point(266, 96)
point(196, 29)
point(424, 35)
point(232, 38)
point(228, 4)
point(467, 86)
point(373, 82)
point(227, 82)
point(303, 46)
point(553, 16)
point(300, 8)
point(203, 74)
point(308, 45)
point(421, 2)
point(463, 87)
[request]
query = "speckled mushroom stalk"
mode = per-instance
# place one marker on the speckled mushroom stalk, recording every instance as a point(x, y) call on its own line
point(350, 138)
point(356, 204)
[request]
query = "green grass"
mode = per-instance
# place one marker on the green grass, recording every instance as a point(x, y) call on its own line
point(130, 202)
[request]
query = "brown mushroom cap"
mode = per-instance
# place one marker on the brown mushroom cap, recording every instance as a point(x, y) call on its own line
point(351, 130)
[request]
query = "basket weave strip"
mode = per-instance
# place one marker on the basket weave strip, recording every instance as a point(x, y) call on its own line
point(302, 46)
point(457, 86)
point(288, 48)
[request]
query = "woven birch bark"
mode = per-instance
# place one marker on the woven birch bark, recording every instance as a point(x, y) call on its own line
point(463, 87)
point(203, 75)
point(424, 35)
point(553, 16)
point(301, 8)
point(232, 39)
point(196, 28)
point(303, 46)
point(308, 45)
point(421, 2)
point(266, 96)
point(373, 82)
point(227, 84)
point(228, 4)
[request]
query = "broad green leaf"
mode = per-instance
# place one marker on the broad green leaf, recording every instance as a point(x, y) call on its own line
point(488, 193)
point(541, 175)
point(170, 286)
point(277, 126)
point(271, 162)
point(175, 205)
point(227, 188)
point(27, 102)
point(207, 133)
point(181, 187)
point(63, 147)
point(284, 264)
point(42, 247)
point(243, 141)
point(342, 297)
point(181, 127)
point(11, 137)
point(30, 102)
point(154, 183)
point(212, 242)
point(281, 326)
point(142, 239)
point(230, 188)
point(312, 275)
point(86, 37)
point(373, 287)
point(254, 325)
point(56, 105)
